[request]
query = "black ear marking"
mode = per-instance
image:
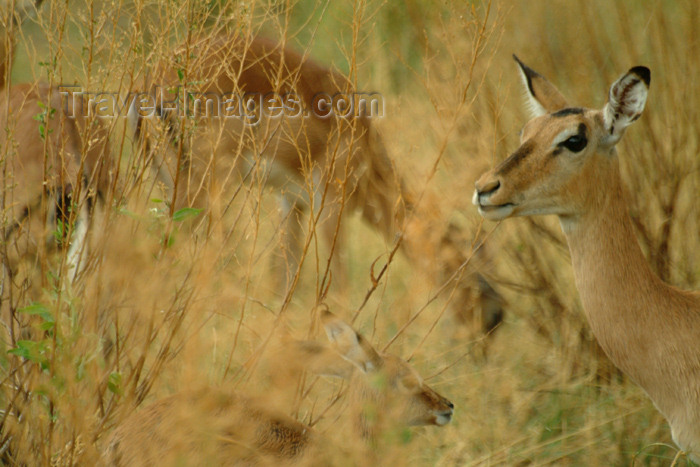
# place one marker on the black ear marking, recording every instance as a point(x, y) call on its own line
point(643, 73)
point(529, 73)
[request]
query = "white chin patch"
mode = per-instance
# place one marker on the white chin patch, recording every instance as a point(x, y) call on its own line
point(496, 213)
point(441, 420)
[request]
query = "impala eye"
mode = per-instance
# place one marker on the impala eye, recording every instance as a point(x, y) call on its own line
point(575, 143)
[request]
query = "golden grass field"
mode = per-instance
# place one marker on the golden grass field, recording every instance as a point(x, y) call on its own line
point(150, 317)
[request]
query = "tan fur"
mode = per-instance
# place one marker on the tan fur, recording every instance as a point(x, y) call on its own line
point(218, 427)
point(338, 158)
point(649, 329)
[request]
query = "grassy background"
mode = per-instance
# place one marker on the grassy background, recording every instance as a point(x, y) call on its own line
point(200, 311)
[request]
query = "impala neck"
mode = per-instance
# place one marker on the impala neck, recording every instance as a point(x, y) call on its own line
point(618, 290)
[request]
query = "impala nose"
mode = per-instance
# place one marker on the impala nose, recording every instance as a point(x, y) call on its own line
point(444, 416)
point(488, 187)
point(484, 187)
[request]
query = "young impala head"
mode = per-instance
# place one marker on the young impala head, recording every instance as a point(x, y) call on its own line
point(565, 151)
point(385, 381)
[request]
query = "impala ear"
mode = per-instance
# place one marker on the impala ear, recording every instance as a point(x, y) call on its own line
point(626, 101)
point(350, 344)
point(542, 97)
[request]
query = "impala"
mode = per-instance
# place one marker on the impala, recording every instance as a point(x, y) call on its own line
point(52, 167)
point(236, 428)
point(290, 134)
point(567, 165)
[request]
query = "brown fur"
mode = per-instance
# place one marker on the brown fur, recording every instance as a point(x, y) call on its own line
point(222, 428)
point(50, 178)
point(36, 171)
point(649, 329)
point(342, 158)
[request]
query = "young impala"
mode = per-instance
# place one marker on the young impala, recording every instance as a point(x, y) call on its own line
point(225, 428)
point(295, 138)
point(567, 165)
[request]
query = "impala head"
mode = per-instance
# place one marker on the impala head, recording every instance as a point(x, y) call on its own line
point(565, 152)
point(389, 381)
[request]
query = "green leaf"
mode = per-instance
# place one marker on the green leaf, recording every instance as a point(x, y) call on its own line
point(40, 310)
point(127, 213)
point(59, 232)
point(185, 213)
point(114, 383)
point(167, 241)
point(23, 349)
point(406, 436)
point(80, 369)
point(32, 351)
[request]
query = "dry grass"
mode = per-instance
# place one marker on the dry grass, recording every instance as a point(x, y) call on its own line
point(170, 304)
